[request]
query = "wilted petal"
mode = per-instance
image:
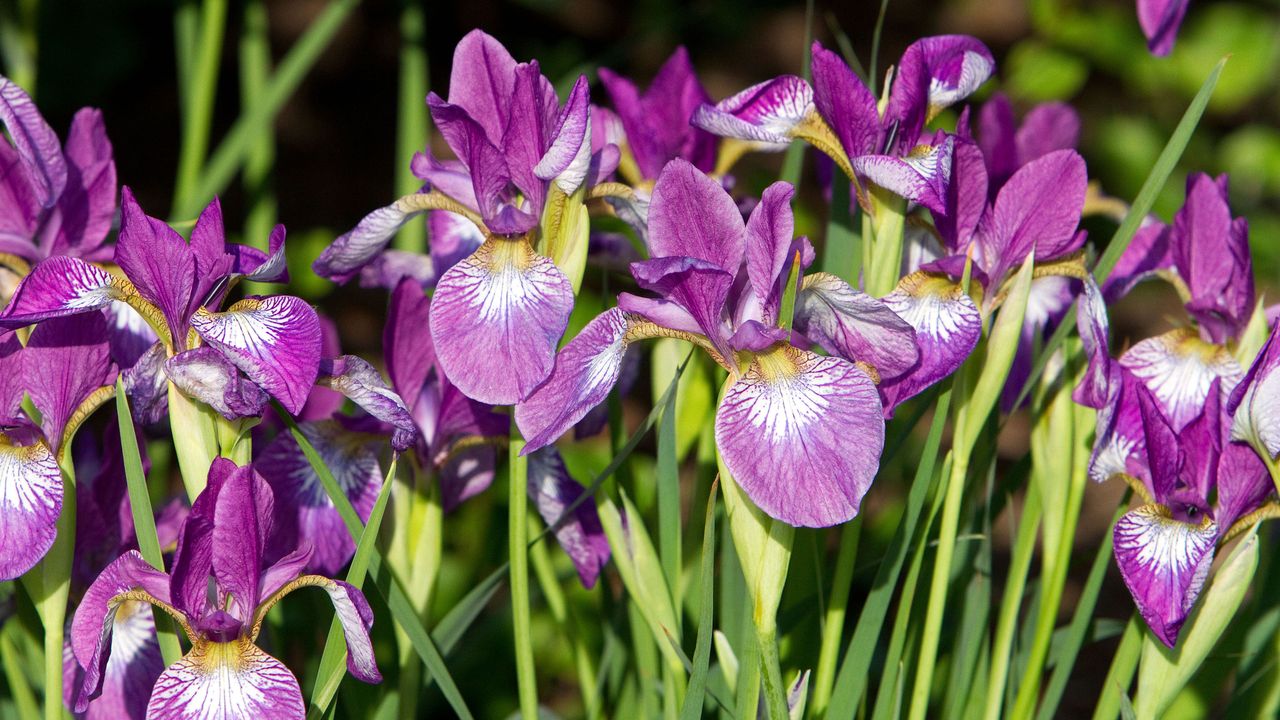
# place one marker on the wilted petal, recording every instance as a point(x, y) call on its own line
point(30, 502)
point(921, 176)
point(66, 360)
point(274, 340)
point(58, 287)
point(856, 326)
point(1178, 367)
point(147, 386)
point(1254, 404)
point(765, 113)
point(496, 318)
point(355, 378)
point(1160, 20)
point(226, 680)
point(691, 215)
point(37, 143)
point(585, 371)
point(845, 103)
point(1101, 379)
point(1164, 563)
point(552, 490)
point(158, 261)
point(205, 374)
point(947, 324)
point(783, 430)
point(308, 516)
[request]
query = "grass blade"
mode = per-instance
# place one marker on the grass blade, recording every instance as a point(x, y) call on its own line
point(333, 659)
point(793, 162)
point(411, 120)
point(144, 519)
point(668, 473)
point(693, 698)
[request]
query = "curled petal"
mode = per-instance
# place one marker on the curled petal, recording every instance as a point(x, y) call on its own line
point(947, 324)
point(1255, 403)
point(208, 376)
point(1101, 378)
point(37, 143)
point(147, 386)
point(935, 73)
point(568, 158)
point(691, 215)
point(765, 113)
point(1178, 367)
point(921, 176)
point(226, 680)
point(360, 245)
point(755, 336)
point(856, 326)
point(1160, 20)
point(783, 430)
point(585, 370)
point(352, 611)
point(552, 490)
point(496, 318)
point(309, 516)
point(274, 340)
point(30, 502)
point(1243, 484)
point(253, 264)
point(58, 287)
point(1164, 563)
point(358, 380)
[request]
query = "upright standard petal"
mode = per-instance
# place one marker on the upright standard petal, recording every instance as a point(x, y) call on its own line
point(274, 340)
point(691, 215)
point(242, 521)
point(856, 326)
point(58, 287)
point(37, 143)
point(947, 324)
point(1178, 367)
point(966, 197)
point(1101, 378)
point(87, 205)
point(1211, 253)
point(482, 80)
point(158, 262)
point(1164, 563)
point(783, 430)
point(496, 318)
point(30, 502)
point(764, 114)
point(846, 104)
point(769, 234)
point(552, 491)
point(585, 371)
point(223, 680)
point(1047, 127)
point(406, 341)
point(1038, 209)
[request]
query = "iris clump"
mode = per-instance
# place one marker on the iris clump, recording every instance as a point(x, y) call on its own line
point(912, 358)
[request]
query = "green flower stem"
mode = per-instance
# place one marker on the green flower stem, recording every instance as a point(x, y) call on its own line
point(1120, 674)
point(884, 261)
point(833, 622)
point(50, 584)
point(775, 692)
point(195, 440)
point(197, 112)
point(518, 520)
point(255, 70)
point(562, 612)
point(1023, 550)
point(423, 522)
point(411, 120)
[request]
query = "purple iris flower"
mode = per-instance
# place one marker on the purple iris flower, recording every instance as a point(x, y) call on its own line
point(54, 199)
point(231, 360)
point(501, 309)
point(786, 414)
point(1160, 20)
point(1008, 145)
point(840, 116)
point(66, 369)
point(224, 673)
point(656, 122)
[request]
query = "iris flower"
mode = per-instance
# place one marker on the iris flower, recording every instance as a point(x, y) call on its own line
point(54, 199)
point(218, 591)
point(178, 288)
point(784, 421)
point(499, 312)
point(838, 114)
point(66, 369)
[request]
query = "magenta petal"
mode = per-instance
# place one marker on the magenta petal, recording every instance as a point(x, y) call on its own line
point(11, 380)
point(585, 371)
point(1047, 127)
point(355, 378)
point(1101, 380)
point(274, 340)
point(496, 318)
point(1164, 563)
point(552, 490)
point(65, 361)
point(1160, 20)
point(353, 611)
point(754, 336)
point(700, 287)
point(1037, 209)
point(58, 287)
point(241, 528)
point(691, 215)
point(1243, 484)
point(87, 205)
point(406, 340)
point(568, 156)
point(966, 197)
point(37, 143)
point(1178, 367)
point(937, 72)
point(147, 386)
point(764, 113)
point(1147, 253)
point(131, 670)
point(1255, 402)
point(856, 326)
point(30, 502)
point(783, 430)
point(769, 234)
point(307, 515)
point(286, 569)
point(158, 262)
point(921, 176)
point(482, 80)
point(947, 324)
point(226, 680)
point(207, 375)
point(845, 103)
point(1211, 252)
point(253, 264)
point(453, 238)
point(360, 245)
point(1120, 446)
point(659, 312)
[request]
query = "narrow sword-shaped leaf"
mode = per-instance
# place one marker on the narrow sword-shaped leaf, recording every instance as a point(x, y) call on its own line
point(669, 504)
point(692, 708)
